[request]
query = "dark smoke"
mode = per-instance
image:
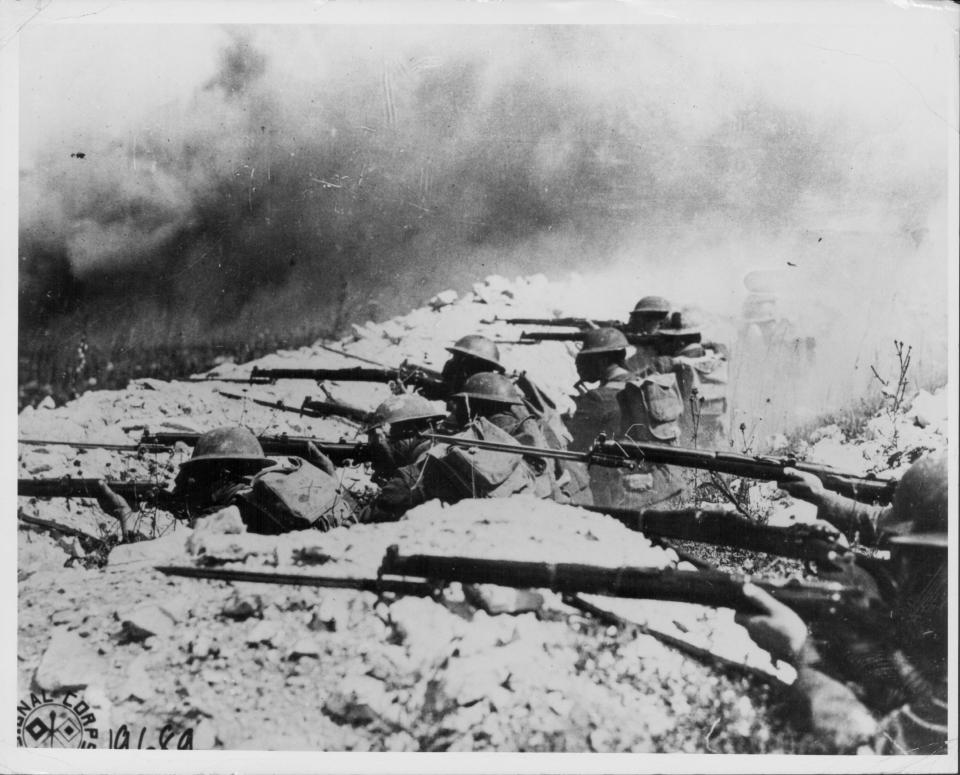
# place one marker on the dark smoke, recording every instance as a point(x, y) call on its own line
point(319, 178)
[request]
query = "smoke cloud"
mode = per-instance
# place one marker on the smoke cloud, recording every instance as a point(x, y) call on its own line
point(318, 175)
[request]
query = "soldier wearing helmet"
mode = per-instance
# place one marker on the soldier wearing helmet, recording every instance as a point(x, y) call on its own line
point(899, 674)
point(649, 314)
point(601, 360)
point(229, 468)
point(470, 355)
point(489, 405)
point(394, 436)
point(222, 461)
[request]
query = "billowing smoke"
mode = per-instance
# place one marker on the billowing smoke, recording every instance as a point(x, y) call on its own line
point(322, 176)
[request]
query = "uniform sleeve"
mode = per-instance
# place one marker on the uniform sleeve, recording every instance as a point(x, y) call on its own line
point(399, 494)
point(593, 416)
point(851, 517)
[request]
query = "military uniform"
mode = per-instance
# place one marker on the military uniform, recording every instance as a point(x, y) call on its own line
point(898, 674)
point(451, 474)
point(228, 468)
point(596, 412)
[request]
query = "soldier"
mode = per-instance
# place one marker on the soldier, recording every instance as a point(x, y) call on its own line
point(601, 360)
point(475, 354)
point(899, 674)
point(649, 315)
point(488, 407)
point(470, 355)
point(394, 437)
point(228, 468)
point(702, 372)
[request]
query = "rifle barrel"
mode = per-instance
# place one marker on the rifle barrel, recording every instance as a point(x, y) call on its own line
point(511, 449)
point(581, 323)
point(395, 586)
point(84, 444)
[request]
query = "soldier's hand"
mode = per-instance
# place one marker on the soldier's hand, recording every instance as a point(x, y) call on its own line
point(778, 629)
point(321, 461)
point(803, 485)
point(110, 502)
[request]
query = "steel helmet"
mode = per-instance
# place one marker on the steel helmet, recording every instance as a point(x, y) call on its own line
point(919, 512)
point(479, 347)
point(603, 340)
point(231, 443)
point(759, 308)
point(652, 305)
point(405, 407)
point(765, 280)
point(490, 386)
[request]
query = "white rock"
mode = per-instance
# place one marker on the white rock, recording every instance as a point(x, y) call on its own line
point(266, 631)
point(146, 621)
point(226, 521)
point(443, 299)
point(138, 685)
point(71, 545)
point(202, 646)
point(69, 662)
point(178, 607)
point(361, 700)
point(305, 647)
point(149, 553)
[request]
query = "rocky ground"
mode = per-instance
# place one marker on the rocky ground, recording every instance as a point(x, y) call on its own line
point(258, 666)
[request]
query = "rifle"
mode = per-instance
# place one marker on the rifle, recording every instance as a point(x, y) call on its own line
point(133, 491)
point(810, 543)
point(625, 453)
point(280, 445)
point(820, 601)
point(405, 374)
point(664, 339)
point(581, 323)
point(278, 404)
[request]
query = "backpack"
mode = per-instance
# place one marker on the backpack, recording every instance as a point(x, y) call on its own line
point(485, 473)
point(651, 407)
point(296, 495)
